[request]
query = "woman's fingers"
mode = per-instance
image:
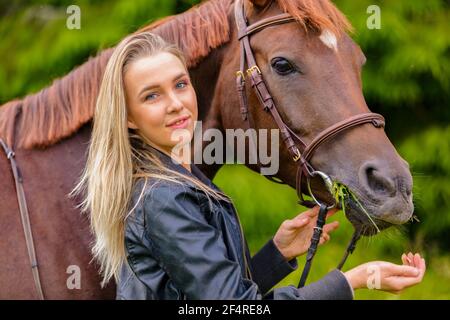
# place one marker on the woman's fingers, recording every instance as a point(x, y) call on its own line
point(400, 277)
point(299, 223)
point(310, 213)
point(296, 223)
point(313, 212)
point(400, 283)
point(423, 265)
point(330, 227)
point(411, 258)
point(324, 238)
point(332, 212)
point(310, 216)
point(405, 260)
point(417, 260)
point(403, 271)
point(395, 278)
point(414, 260)
point(420, 264)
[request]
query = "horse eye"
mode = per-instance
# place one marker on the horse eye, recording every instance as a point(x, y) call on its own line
point(282, 66)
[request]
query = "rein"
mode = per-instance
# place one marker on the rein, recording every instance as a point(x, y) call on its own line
point(25, 218)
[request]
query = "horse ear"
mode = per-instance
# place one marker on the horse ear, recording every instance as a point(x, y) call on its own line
point(260, 3)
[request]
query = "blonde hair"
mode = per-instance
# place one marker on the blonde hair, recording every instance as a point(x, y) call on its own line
point(118, 156)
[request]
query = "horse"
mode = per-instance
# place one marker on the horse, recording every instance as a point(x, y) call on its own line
point(312, 68)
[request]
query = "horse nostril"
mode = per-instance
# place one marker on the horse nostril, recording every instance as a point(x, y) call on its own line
point(376, 178)
point(405, 187)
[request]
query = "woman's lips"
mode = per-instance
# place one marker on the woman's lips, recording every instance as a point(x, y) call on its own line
point(180, 124)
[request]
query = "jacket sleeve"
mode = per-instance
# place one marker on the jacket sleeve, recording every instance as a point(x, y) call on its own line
point(194, 255)
point(270, 267)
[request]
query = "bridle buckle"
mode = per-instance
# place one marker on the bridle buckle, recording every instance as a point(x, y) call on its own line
point(253, 68)
point(240, 73)
point(297, 155)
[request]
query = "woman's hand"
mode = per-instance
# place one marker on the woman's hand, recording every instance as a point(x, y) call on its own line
point(294, 236)
point(387, 276)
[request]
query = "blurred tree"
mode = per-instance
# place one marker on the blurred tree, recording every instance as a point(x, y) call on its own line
point(407, 79)
point(183, 5)
point(28, 31)
point(408, 61)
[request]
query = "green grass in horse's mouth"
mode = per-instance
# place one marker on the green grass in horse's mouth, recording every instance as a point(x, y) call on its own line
point(342, 193)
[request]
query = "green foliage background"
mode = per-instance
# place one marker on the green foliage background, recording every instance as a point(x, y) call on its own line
point(406, 78)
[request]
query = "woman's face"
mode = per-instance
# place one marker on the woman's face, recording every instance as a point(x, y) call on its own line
point(158, 93)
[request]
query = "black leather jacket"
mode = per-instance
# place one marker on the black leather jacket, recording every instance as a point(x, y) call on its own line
point(178, 247)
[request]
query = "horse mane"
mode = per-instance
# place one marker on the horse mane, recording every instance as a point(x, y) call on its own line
point(58, 111)
point(317, 15)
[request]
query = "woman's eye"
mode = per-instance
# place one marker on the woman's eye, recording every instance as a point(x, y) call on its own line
point(282, 66)
point(151, 96)
point(181, 84)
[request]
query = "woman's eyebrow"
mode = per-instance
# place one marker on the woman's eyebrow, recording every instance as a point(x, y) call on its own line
point(180, 75)
point(146, 88)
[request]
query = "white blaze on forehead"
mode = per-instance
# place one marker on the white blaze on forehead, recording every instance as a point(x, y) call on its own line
point(329, 39)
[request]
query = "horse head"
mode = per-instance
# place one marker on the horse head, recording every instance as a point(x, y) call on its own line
point(312, 69)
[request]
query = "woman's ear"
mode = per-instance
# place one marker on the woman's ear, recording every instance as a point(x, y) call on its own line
point(131, 124)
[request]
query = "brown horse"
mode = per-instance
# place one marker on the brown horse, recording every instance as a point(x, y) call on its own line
point(313, 70)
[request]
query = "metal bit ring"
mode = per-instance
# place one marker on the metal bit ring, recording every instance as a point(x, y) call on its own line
point(328, 184)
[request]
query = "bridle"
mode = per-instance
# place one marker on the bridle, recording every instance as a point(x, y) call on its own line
point(300, 151)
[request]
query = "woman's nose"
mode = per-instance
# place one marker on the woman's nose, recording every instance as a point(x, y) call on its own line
point(175, 103)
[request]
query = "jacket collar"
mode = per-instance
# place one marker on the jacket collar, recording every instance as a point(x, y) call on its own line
point(195, 172)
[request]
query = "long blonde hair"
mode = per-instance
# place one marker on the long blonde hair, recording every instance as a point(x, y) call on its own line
point(118, 156)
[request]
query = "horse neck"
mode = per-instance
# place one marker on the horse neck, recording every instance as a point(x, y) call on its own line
point(205, 78)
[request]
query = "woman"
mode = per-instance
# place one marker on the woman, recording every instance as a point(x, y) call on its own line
point(162, 229)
